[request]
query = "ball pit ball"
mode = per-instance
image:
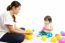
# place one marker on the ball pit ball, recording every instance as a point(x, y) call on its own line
point(28, 37)
point(57, 36)
point(63, 33)
point(43, 38)
point(62, 40)
point(29, 30)
point(53, 39)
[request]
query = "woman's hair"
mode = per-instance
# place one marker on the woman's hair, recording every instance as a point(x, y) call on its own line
point(49, 18)
point(15, 4)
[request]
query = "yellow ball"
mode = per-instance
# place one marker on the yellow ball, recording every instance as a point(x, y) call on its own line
point(53, 39)
point(57, 36)
point(28, 37)
point(44, 38)
point(53, 42)
point(29, 30)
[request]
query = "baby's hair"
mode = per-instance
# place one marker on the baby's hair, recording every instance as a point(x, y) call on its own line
point(49, 18)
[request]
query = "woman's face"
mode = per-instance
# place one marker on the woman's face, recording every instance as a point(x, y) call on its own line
point(16, 10)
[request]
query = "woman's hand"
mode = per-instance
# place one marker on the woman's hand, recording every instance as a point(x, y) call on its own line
point(28, 33)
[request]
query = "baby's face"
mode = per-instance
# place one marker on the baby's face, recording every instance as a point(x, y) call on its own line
point(46, 21)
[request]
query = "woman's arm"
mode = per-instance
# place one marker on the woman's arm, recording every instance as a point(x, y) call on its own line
point(12, 29)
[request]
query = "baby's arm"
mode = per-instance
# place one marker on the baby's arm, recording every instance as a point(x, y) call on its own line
point(50, 28)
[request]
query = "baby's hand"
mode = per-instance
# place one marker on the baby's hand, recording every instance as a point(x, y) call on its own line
point(49, 29)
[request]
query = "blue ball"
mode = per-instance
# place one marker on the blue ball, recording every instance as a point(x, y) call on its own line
point(33, 30)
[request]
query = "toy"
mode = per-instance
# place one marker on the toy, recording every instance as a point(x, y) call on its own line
point(28, 37)
point(53, 39)
point(62, 40)
point(63, 33)
point(29, 30)
point(57, 36)
point(43, 38)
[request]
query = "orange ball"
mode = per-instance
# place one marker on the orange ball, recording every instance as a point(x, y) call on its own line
point(28, 37)
point(57, 36)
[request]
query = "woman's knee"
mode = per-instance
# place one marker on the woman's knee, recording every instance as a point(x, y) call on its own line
point(17, 37)
point(22, 28)
point(21, 37)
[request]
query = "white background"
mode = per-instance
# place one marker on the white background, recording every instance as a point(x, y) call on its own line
point(33, 12)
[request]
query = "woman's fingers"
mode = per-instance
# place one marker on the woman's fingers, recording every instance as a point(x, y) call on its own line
point(28, 33)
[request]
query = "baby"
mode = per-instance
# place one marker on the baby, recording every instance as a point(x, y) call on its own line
point(47, 26)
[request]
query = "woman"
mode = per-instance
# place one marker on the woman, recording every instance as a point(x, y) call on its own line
point(11, 33)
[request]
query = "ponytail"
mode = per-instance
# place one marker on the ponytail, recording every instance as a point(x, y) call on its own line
point(9, 8)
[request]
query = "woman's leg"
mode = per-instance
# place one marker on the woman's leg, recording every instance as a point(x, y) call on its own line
point(22, 28)
point(13, 38)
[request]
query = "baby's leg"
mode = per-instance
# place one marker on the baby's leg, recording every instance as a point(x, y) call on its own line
point(48, 34)
point(41, 33)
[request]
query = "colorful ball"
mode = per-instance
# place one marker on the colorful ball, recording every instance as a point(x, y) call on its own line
point(29, 30)
point(33, 30)
point(28, 37)
point(62, 40)
point(44, 38)
point(53, 39)
point(58, 36)
point(63, 33)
